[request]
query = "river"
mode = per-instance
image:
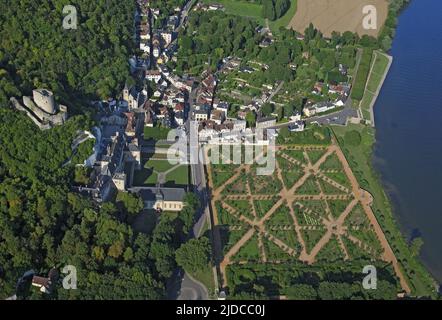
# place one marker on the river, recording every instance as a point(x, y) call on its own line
point(408, 117)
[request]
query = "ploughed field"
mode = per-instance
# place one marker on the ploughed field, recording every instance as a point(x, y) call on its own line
point(337, 15)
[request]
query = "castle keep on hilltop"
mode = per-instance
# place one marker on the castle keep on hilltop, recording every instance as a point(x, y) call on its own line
point(42, 109)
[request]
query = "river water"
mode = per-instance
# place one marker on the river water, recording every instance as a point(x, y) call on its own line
point(408, 117)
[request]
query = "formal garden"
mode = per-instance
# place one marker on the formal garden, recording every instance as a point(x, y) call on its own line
point(155, 168)
point(307, 210)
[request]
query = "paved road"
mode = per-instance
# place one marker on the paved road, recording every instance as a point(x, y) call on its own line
point(339, 118)
point(275, 92)
point(192, 289)
point(181, 286)
point(336, 118)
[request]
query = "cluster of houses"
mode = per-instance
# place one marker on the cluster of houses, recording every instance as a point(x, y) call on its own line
point(156, 44)
point(209, 7)
point(166, 106)
point(212, 114)
point(340, 91)
point(117, 157)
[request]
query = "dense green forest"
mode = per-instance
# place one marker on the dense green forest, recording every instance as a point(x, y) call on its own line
point(43, 224)
point(90, 62)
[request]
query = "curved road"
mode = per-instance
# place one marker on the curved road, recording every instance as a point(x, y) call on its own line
point(192, 289)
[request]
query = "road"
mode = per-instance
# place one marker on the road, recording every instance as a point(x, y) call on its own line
point(197, 169)
point(183, 20)
point(183, 287)
point(337, 118)
point(275, 92)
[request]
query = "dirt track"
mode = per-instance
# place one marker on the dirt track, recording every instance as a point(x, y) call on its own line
point(337, 15)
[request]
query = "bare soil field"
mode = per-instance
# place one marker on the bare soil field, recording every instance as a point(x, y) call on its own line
point(337, 15)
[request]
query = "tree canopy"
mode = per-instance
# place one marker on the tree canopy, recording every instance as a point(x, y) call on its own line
point(92, 61)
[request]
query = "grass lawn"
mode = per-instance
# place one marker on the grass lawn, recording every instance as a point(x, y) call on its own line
point(144, 177)
point(359, 158)
point(362, 75)
point(285, 19)
point(156, 133)
point(148, 175)
point(331, 251)
point(263, 206)
point(274, 252)
point(309, 187)
point(179, 176)
point(312, 237)
point(373, 82)
point(250, 251)
point(381, 63)
point(337, 207)
point(366, 102)
point(240, 8)
point(158, 165)
point(254, 10)
point(315, 155)
point(379, 66)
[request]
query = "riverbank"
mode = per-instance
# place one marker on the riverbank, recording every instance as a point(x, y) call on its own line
point(359, 158)
point(378, 73)
point(408, 132)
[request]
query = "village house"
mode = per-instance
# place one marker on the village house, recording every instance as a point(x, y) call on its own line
point(45, 284)
point(298, 126)
point(153, 75)
point(319, 108)
point(340, 89)
point(296, 116)
point(167, 37)
point(217, 116)
point(179, 107)
point(221, 106)
point(179, 118)
point(264, 123)
point(319, 87)
point(200, 115)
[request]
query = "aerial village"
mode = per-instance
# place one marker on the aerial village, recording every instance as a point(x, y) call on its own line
point(168, 101)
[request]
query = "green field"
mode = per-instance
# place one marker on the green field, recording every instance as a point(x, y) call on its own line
point(254, 10)
point(365, 104)
point(158, 165)
point(361, 77)
point(285, 19)
point(240, 8)
point(379, 66)
point(179, 175)
point(155, 133)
